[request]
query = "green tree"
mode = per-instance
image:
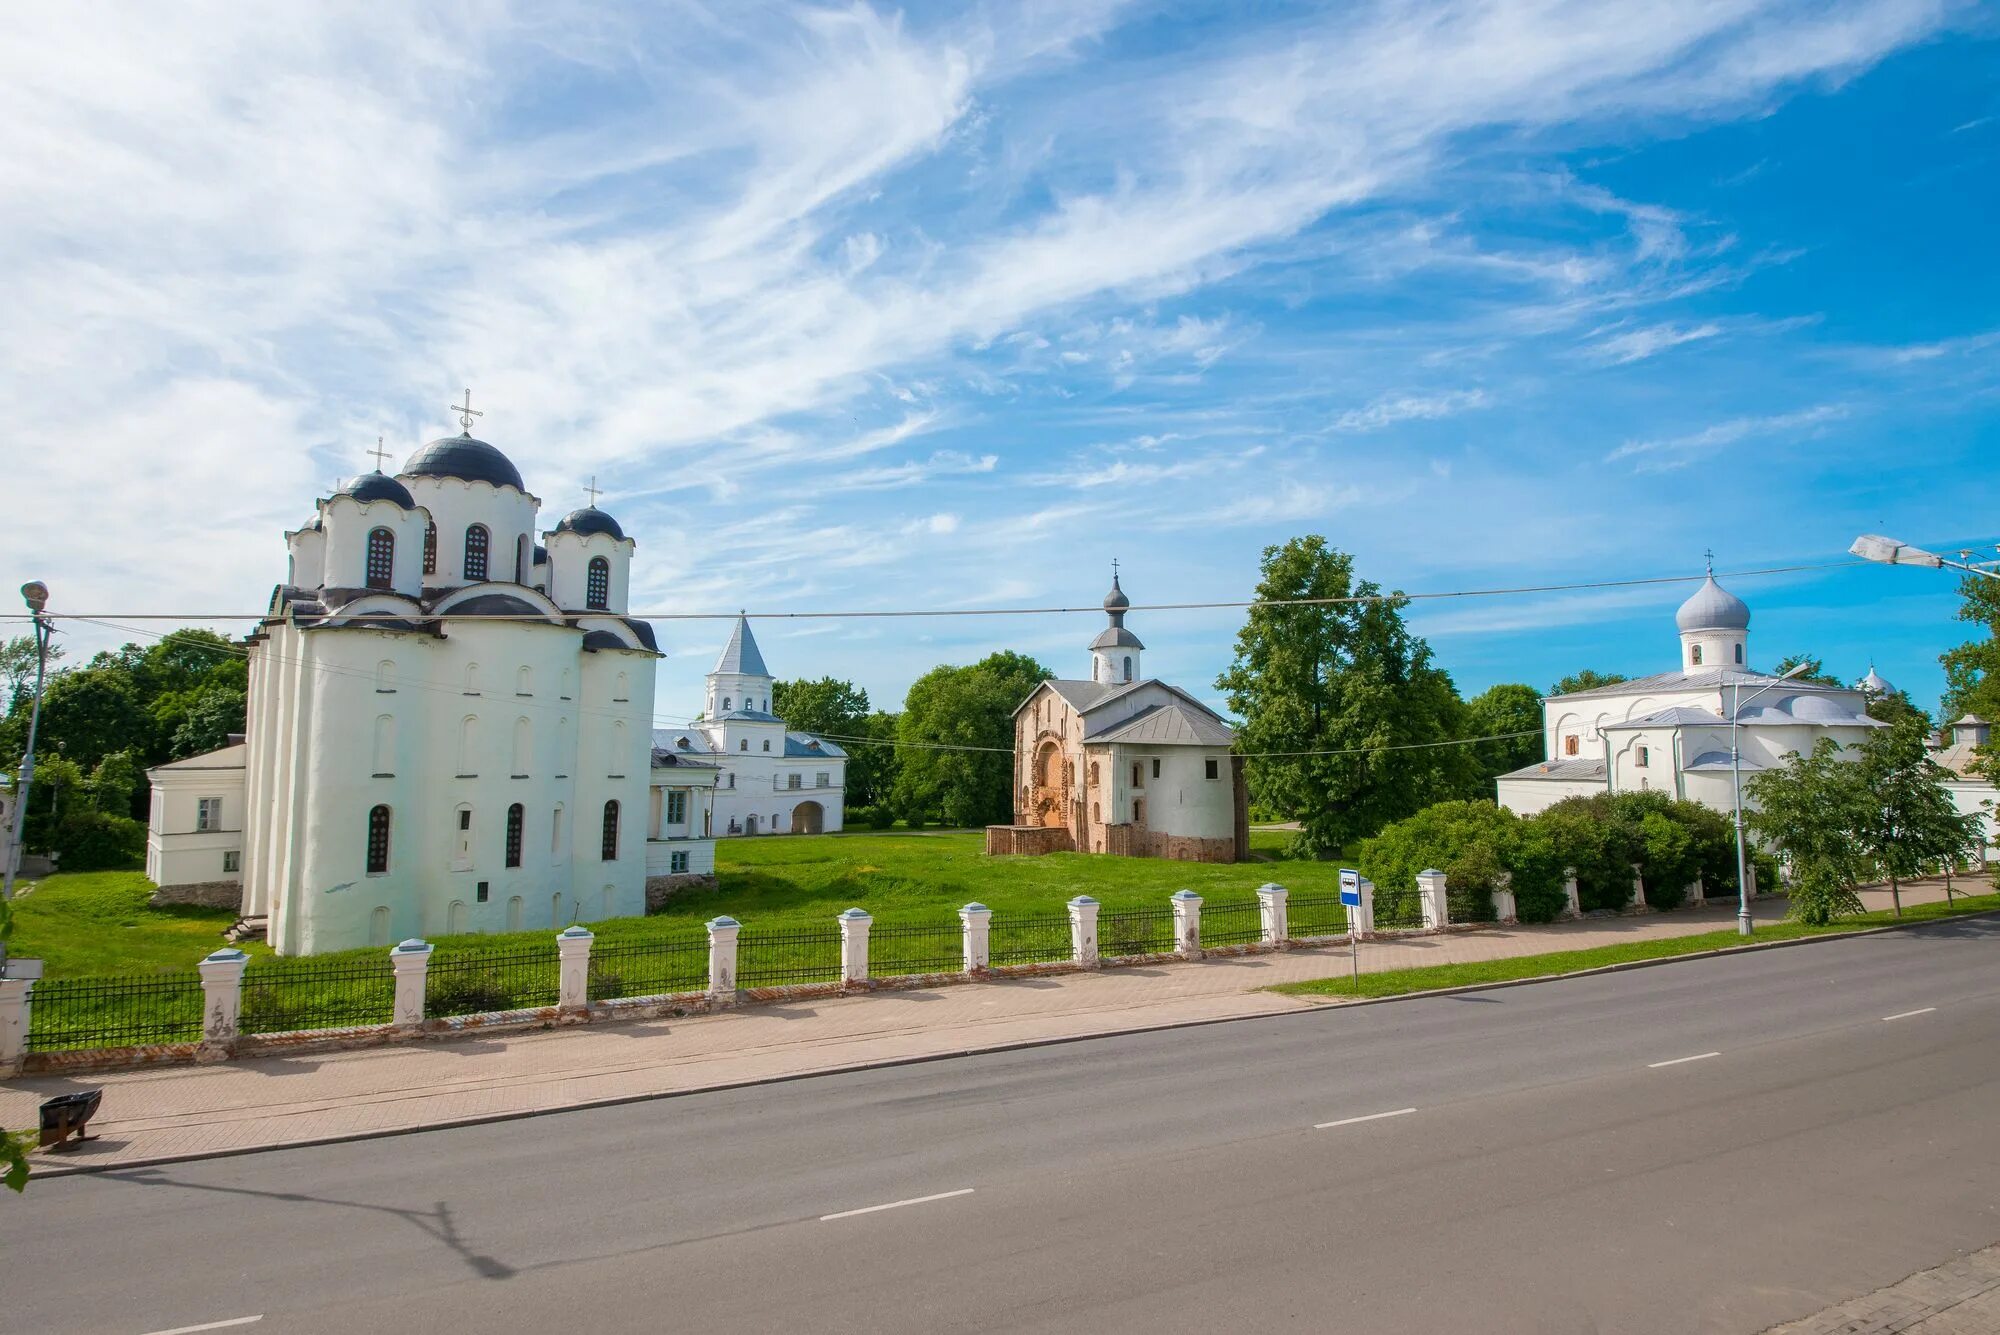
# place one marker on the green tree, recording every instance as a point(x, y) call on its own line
point(871, 764)
point(1972, 670)
point(828, 706)
point(1895, 707)
point(1495, 712)
point(214, 713)
point(17, 667)
point(1913, 823)
point(1815, 670)
point(89, 712)
point(118, 778)
point(1474, 844)
point(1347, 683)
point(1586, 680)
point(1817, 808)
point(949, 708)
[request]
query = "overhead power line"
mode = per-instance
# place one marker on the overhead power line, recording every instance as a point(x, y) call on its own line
point(1093, 608)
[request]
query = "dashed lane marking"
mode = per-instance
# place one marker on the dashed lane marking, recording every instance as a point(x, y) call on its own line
point(1699, 1056)
point(896, 1205)
point(1368, 1117)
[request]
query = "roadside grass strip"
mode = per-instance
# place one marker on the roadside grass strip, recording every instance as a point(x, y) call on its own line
point(1427, 978)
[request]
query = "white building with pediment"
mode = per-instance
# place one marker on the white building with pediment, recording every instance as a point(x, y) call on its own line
point(449, 725)
point(771, 780)
point(1671, 731)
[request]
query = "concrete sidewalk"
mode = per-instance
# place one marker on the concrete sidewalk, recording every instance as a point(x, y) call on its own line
point(175, 1112)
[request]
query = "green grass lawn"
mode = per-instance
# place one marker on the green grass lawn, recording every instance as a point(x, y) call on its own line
point(1397, 982)
point(98, 922)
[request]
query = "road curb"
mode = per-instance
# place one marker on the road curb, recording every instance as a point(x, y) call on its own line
point(1293, 1005)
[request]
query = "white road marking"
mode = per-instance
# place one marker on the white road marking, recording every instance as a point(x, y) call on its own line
point(897, 1205)
point(1371, 1117)
point(1904, 1015)
point(1699, 1056)
point(211, 1325)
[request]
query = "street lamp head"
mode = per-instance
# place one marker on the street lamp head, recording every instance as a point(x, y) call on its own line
point(1890, 552)
point(35, 594)
point(1794, 670)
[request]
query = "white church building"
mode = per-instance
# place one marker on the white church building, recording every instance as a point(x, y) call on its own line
point(771, 780)
point(1670, 731)
point(449, 726)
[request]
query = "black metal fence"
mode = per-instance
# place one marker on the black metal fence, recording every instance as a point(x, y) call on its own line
point(283, 995)
point(1473, 905)
point(472, 984)
point(1232, 924)
point(775, 959)
point(649, 969)
point(1315, 915)
point(123, 1012)
point(1037, 940)
point(1399, 907)
point(916, 948)
point(1135, 932)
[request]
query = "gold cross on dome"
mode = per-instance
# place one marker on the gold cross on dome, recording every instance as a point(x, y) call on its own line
point(466, 412)
point(593, 491)
point(380, 455)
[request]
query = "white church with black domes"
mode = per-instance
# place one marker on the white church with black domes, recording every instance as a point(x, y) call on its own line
point(449, 727)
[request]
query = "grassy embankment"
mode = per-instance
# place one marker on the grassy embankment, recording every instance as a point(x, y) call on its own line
point(1397, 982)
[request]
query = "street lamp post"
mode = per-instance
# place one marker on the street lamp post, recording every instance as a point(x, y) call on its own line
point(36, 595)
point(1736, 782)
point(1894, 552)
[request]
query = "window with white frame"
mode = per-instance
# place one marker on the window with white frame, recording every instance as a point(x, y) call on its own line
point(677, 862)
point(677, 807)
point(795, 780)
point(823, 780)
point(232, 862)
point(208, 814)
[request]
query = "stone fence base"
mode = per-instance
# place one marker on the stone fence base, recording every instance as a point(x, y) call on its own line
point(1028, 840)
point(659, 889)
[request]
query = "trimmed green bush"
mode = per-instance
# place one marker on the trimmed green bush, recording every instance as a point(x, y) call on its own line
point(93, 841)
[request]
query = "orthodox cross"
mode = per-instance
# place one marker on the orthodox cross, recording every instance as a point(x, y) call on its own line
point(1708, 554)
point(381, 455)
point(1114, 570)
point(466, 412)
point(594, 492)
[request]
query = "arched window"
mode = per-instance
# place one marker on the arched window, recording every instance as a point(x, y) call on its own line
point(743, 745)
point(1641, 756)
point(608, 849)
point(616, 768)
point(517, 816)
point(477, 543)
point(381, 559)
point(1128, 667)
point(524, 681)
point(1093, 774)
point(725, 702)
point(524, 747)
point(378, 925)
point(1739, 655)
point(468, 746)
point(385, 677)
point(385, 744)
point(767, 744)
point(514, 914)
point(454, 918)
point(555, 830)
point(597, 584)
point(621, 689)
point(1694, 655)
point(1569, 745)
point(430, 549)
point(1135, 774)
point(378, 840)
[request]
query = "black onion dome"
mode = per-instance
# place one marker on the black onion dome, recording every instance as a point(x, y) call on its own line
point(589, 520)
point(378, 486)
point(464, 458)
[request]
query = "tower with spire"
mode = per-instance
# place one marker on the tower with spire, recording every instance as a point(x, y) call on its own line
point(1114, 654)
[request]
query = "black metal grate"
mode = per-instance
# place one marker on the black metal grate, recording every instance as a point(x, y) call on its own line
point(115, 1012)
point(283, 995)
point(651, 969)
point(1474, 905)
point(916, 948)
point(1232, 924)
point(1315, 915)
point(775, 959)
point(1398, 908)
point(475, 984)
point(1030, 940)
point(1135, 932)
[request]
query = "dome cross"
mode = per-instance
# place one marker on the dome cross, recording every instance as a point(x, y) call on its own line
point(466, 412)
point(380, 455)
point(592, 491)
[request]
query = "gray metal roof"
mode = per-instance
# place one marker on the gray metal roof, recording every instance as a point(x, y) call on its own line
point(1171, 724)
point(1082, 696)
point(1680, 716)
point(740, 655)
point(745, 716)
point(466, 458)
point(1683, 681)
point(805, 745)
point(1116, 637)
point(1561, 770)
point(1712, 607)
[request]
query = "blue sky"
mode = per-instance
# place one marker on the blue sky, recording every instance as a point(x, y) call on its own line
point(851, 307)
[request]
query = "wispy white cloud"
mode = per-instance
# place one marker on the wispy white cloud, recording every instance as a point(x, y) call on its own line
point(1679, 451)
point(1635, 345)
point(1411, 408)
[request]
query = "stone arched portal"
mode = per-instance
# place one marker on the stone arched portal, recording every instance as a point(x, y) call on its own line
point(808, 818)
point(1048, 802)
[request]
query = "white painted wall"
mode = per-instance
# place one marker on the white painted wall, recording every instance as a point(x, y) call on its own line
point(177, 852)
point(1182, 800)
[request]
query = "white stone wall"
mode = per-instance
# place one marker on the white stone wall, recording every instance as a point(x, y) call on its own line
point(347, 524)
point(1182, 800)
point(177, 853)
point(1526, 797)
point(759, 790)
point(455, 505)
point(569, 568)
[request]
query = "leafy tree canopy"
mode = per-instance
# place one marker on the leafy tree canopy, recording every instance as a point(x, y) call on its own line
point(1507, 708)
point(1586, 680)
point(1346, 680)
point(1813, 807)
point(951, 707)
point(1913, 824)
point(1972, 670)
point(1815, 670)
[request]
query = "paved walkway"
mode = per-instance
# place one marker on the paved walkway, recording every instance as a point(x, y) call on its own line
point(1960, 1297)
point(171, 1112)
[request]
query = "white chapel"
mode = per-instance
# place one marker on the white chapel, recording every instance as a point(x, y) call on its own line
point(449, 725)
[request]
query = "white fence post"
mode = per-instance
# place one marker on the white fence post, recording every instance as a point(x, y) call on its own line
point(17, 990)
point(978, 923)
point(722, 933)
point(1271, 908)
point(221, 1000)
point(1187, 924)
point(1083, 931)
point(1362, 920)
point(573, 967)
point(1698, 892)
point(1575, 905)
point(1637, 903)
point(1504, 907)
point(412, 962)
point(854, 925)
point(1430, 896)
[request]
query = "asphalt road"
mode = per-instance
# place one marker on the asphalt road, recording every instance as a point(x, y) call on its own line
point(1552, 1174)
